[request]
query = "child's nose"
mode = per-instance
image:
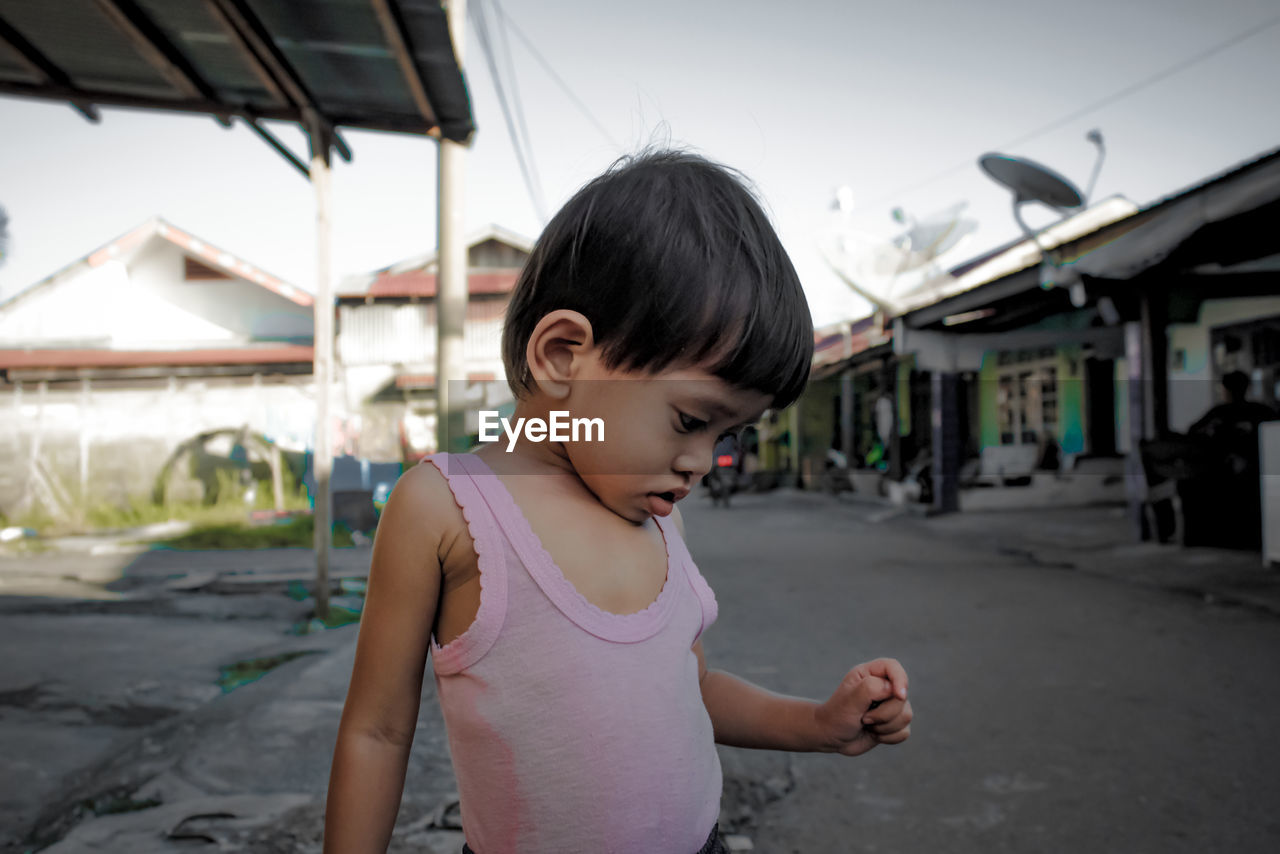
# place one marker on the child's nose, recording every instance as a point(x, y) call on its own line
point(693, 461)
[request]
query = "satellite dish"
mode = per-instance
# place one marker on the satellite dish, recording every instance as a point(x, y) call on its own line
point(1031, 182)
point(884, 265)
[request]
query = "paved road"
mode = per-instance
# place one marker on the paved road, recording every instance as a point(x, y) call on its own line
point(1056, 711)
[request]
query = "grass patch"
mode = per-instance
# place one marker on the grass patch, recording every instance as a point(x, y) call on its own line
point(242, 673)
point(339, 615)
point(295, 533)
point(345, 605)
point(230, 509)
point(116, 802)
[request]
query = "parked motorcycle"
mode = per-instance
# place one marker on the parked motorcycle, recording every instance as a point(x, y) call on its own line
point(722, 480)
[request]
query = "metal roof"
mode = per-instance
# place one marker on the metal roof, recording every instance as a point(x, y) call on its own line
point(1226, 216)
point(86, 358)
point(194, 247)
point(384, 65)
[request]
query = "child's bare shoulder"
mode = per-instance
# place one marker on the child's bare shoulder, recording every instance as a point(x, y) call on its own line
point(423, 508)
point(425, 486)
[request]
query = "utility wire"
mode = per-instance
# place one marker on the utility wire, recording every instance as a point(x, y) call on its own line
point(518, 101)
point(522, 155)
point(577, 102)
point(1102, 102)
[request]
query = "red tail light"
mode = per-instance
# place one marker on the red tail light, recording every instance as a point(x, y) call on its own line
point(724, 460)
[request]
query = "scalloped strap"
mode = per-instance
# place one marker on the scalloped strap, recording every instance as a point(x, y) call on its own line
point(542, 568)
point(468, 648)
point(680, 555)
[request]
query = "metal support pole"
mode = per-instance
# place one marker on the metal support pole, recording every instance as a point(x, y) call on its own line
point(1155, 340)
point(1136, 380)
point(846, 415)
point(321, 148)
point(451, 267)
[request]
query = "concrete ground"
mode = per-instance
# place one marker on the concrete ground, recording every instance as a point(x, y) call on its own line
point(1073, 690)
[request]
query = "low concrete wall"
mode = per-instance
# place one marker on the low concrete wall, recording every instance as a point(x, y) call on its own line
point(93, 444)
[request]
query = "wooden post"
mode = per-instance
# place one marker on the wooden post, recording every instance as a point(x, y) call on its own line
point(85, 421)
point(946, 441)
point(321, 148)
point(277, 479)
point(451, 266)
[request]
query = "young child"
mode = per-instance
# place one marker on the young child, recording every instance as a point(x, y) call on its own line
point(551, 583)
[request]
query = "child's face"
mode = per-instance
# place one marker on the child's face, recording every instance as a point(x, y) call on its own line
point(660, 431)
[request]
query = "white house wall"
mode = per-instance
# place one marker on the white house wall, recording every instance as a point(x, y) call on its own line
point(386, 334)
point(144, 302)
point(248, 310)
point(82, 307)
point(100, 307)
point(1192, 390)
point(404, 334)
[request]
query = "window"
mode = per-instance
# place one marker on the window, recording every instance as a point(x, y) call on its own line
point(198, 272)
point(1027, 396)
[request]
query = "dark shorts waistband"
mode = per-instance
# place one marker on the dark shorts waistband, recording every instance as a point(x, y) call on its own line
point(713, 845)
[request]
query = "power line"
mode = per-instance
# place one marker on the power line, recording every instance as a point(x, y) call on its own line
point(518, 101)
point(524, 155)
point(1102, 102)
point(577, 102)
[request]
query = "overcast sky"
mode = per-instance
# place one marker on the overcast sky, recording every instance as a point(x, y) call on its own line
point(894, 100)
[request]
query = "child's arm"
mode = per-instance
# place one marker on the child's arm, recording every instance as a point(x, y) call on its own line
point(381, 712)
point(869, 707)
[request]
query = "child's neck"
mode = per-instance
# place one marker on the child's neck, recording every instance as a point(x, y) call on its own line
point(533, 457)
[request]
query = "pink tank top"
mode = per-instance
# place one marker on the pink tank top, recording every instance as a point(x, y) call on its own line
point(573, 729)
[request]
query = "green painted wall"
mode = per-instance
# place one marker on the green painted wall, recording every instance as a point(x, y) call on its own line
point(817, 420)
point(1070, 432)
point(1071, 400)
point(988, 420)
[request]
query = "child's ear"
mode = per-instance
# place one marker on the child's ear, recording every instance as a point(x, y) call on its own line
point(556, 350)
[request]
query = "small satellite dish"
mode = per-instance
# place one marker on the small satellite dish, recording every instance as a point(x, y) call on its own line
point(885, 266)
point(1031, 181)
point(936, 234)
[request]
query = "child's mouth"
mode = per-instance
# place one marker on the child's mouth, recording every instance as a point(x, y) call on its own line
point(662, 503)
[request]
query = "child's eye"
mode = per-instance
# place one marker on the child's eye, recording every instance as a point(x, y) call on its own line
point(689, 424)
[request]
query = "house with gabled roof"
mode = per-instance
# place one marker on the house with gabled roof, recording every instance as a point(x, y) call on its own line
point(112, 361)
point(386, 334)
point(155, 295)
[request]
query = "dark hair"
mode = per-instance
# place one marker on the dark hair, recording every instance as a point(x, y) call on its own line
point(1236, 383)
point(673, 261)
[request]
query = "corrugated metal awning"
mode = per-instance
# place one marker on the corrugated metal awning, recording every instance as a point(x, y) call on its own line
point(1156, 237)
point(373, 64)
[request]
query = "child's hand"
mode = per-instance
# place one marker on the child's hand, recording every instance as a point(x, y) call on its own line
point(869, 707)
